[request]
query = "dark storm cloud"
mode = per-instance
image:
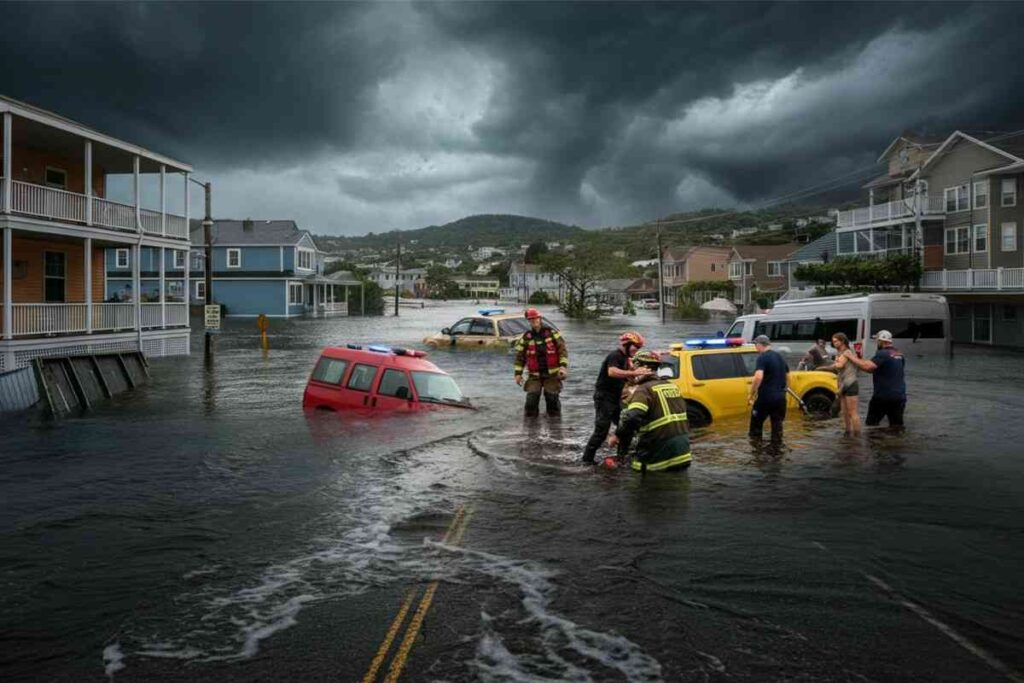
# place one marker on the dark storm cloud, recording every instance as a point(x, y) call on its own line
point(355, 117)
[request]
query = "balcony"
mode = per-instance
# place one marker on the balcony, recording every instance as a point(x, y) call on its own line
point(932, 206)
point(974, 280)
point(47, 320)
point(53, 204)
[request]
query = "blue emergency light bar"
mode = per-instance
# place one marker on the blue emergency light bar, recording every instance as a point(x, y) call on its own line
point(491, 311)
point(718, 342)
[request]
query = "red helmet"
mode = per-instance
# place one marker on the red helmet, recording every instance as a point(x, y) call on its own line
point(532, 313)
point(634, 338)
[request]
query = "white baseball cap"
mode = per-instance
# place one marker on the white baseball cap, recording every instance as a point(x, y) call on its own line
point(883, 335)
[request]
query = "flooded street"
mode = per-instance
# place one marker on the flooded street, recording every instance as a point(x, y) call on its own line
point(205, 529)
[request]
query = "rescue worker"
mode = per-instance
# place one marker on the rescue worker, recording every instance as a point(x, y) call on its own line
point(611, 380)
point(889, 398)
point(768, 390)
point(657, 413)
point(541, 352)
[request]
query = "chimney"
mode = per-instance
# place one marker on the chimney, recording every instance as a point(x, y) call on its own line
point(247, 225)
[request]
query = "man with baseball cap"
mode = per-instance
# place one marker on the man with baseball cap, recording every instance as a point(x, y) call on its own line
point(768, 390)
point(889, 397)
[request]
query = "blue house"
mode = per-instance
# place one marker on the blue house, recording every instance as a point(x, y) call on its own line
point(269, 267)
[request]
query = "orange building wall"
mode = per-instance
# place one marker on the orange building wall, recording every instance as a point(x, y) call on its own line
point(28, 288)
point(699, 265)
point(29, 165)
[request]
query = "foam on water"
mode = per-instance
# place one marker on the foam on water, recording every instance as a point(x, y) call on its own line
point(113, 659)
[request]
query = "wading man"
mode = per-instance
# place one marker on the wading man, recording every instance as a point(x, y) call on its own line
point(657, 413)
point(615, 370)
point(889, 397)
point(542, 354)
point(768, 390)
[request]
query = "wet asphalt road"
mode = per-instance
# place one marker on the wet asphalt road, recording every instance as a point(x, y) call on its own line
point(204, 528)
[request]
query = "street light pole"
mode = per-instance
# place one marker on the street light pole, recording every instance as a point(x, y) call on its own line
point(661, 280)
point(208, 241)
point(398, 271)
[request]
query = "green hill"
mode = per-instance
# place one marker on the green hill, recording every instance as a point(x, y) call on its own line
point(483, 230)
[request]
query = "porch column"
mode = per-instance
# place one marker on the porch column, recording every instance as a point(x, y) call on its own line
point(88, 182)
point(7, 166)
point(163, 288)
point(137, 187)
point(316, 298)
point(88, 284)
point(362, 299)
point(186, 285)
point(8, 299)
point(188, 226)
point(137, 284)
point(163, 199)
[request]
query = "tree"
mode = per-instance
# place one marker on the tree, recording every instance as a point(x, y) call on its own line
point(440, 284)
point(535, 252)
point(900, 272)
point(580, 272)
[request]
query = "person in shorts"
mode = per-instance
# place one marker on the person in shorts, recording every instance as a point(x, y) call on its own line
point(845, 368)
point(887, 368)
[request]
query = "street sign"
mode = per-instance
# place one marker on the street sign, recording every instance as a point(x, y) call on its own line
point(212, 314)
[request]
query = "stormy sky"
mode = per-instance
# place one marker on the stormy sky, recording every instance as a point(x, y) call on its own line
point(366, 117)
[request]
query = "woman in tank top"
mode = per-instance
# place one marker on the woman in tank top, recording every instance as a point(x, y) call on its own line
point(846, 378)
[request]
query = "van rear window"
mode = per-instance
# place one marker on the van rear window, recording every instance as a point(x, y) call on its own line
point(910, 328)
point(329, 370)
point(362, 376)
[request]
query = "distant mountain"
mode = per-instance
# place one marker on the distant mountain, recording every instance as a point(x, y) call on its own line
point(486, 230)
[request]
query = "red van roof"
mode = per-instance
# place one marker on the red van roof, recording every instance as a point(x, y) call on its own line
point(381, 358)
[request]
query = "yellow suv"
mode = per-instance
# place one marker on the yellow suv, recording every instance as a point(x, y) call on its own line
point(492, 329)
point(714, 376)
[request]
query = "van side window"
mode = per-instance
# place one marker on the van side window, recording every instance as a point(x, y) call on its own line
point(792, 330)
point(392, 381)
point(909, 328)
point(716, 366)
point(329, 370)
point(362, 376)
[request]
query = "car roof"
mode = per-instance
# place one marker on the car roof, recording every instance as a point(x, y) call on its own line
point(381, 359)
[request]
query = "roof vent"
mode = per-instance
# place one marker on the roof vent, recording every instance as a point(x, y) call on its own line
point(247, 225)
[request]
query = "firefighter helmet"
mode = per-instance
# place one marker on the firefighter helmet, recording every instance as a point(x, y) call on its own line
point(647, 358)
point(634, 338)
point(532, 313)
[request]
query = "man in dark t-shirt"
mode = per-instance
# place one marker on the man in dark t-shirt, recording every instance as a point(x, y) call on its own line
point(611, 380)
point(768, 390)
point(889, 398)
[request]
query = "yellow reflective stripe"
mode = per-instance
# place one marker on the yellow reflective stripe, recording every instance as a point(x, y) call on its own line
point(517, 368)
point(556, 335)
point(662, 421)
point(664, 464)
point(637, 406)
point(564, 361)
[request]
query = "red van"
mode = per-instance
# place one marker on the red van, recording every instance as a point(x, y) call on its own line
point(378, 378)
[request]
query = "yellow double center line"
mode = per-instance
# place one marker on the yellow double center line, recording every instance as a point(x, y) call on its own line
point(452, 537)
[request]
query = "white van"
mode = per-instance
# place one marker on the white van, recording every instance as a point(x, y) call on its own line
point(744, 327)
point(919, 322)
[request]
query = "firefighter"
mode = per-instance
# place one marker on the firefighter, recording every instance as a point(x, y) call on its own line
point(611, 381)
point(657, 413)
point(541, 352)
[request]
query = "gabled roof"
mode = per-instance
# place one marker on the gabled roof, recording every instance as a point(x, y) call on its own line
point(913, 139)
point(818, 250)
point(995, 143)
point(265, 233)
point(764, 252)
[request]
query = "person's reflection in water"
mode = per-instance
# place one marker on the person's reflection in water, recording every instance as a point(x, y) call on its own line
point(209, 375)
point(768, 457)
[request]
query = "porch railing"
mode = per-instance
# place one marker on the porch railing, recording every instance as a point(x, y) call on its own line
point(151, 222)
point(52, 319)
point(47, 202)
point(113, 214)
point(150, 315)
point(177, 314)
point(988, 279)
point(901, 208)
point(110, 317)
point(177, 226)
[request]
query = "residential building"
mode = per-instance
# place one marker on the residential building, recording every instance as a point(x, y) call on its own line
point(484, 253)
point(683, 265)
point(956, 203)
point(645, 263)
point(821, 250)
point(759, 272)
point(743, 232)
point(526, 278)
point(411, 280)
point(58, 216)
point(259, 266)
point(477, 287)
point(642, 288)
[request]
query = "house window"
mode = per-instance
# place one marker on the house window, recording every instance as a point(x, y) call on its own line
point(305, 259)
point(179, 259)
point(234, 258)
point(175, 290)
point(748, 268)
point(1009, 313)
point(295, 293)
point(1009, 237)
point(56, 177)
point(774, 268)
point(1009, 194)
point(980, 238)
point(121, 258)
point(958, 240)
point(863, 242)
point(200, 290)
point(735, 269)
point(54, 269)
point(981, 195)
point(197, 262)
point(956, 199)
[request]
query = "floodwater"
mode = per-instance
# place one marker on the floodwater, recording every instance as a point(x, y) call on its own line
point(205, 529)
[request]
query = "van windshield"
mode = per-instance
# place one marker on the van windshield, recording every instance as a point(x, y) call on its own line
point(437, 388)
point(736, 330)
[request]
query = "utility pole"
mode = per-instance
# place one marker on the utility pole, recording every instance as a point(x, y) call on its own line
point(208, 241)
point(661, 278)
point(398, 270)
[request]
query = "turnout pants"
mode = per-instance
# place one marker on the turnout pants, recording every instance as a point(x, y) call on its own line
point(607, 409)
point(768, 408)
point(550, 387)
point(891, 408)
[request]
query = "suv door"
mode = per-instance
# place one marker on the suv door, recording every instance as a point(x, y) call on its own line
point(722, 381)
point(481, 332)
point(458, 330)
point(394, 391)
point(359, 385)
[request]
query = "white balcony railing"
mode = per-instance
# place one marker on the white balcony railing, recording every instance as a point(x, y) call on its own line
point(177, 226)
point(52, 319)
point(988, 279)
point(113, 214)
point(177, 314)
point(47, 202)
point(151, 315)
point(151, 222)
point(113, 317)
point(334, 307)
point(931, 205)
